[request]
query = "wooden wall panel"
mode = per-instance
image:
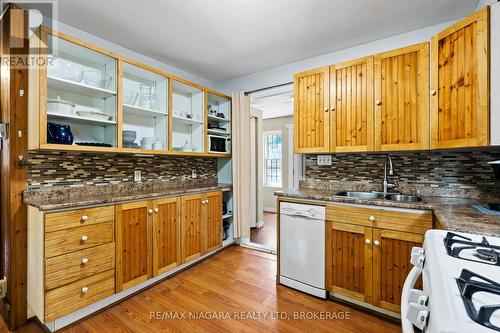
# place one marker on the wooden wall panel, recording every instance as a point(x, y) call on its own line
point(391, 265)
point(351, 100)
point(460, 69)
point(402, 99)
point(213, 218)
point(166, 235)
point(191, 220)
point(311, 111)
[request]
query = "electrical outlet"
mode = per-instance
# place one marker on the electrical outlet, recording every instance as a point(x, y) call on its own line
point(194, 175)
point(324, 159)
point(137, 176)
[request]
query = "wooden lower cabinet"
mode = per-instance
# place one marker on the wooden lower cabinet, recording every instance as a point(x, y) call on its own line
point(133, 243)
point(166, 234)
point(391, 265)
point(349, 258)
point(368, 252)
point(201, 221)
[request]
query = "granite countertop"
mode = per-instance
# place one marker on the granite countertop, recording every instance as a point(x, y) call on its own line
point(452, 213)
point(49, 199)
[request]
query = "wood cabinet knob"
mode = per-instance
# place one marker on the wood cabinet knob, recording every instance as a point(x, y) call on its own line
point(150, 211)
point(84, 238)
point(368, 241)
point(156, 210)
point(85, 290)
point(85, 217)
point(333, 109)
point(378, 102)
point(326, 109)
point(433, 92)
point(376, 242)
point(85, 260)
point(371, 218)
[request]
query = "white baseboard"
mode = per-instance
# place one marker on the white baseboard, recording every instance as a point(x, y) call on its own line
point(270, 209)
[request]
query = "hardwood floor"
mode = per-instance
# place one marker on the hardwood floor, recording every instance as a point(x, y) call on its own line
point(238, 285)
point(267, 234)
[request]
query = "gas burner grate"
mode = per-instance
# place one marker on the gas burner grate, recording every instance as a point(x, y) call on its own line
point(468, 287)
point(490, 254)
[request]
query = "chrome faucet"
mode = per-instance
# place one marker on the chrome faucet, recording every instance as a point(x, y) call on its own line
point(386, 184)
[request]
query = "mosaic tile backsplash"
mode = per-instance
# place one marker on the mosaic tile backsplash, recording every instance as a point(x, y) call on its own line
point(440, 169)
point(49, 169)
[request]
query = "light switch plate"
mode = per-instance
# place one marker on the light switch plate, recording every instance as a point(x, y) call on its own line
point(324, 159)
point(137, 176)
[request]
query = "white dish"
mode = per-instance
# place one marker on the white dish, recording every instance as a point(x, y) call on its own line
point(60, 106)
point(93, 114)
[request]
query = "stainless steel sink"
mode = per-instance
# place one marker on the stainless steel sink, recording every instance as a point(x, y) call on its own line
point(403, 198)
point(361, 195)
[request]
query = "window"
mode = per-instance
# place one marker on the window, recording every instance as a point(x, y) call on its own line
point(272, 158)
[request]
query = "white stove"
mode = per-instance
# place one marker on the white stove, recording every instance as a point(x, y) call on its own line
point(461, 285)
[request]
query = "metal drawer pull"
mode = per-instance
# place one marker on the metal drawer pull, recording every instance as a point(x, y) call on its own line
point(150, 211)
point(433, 92)
point(84, 238)
point(371, 218)
point(84, 290)
point(376, 242)
point(85, 260)
point(367, 241)
point(156, 210)
point(85, 217)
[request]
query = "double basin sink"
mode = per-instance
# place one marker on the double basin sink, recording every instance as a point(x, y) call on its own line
point(379, 195)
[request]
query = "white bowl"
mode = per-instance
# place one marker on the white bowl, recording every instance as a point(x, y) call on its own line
point(60, 106)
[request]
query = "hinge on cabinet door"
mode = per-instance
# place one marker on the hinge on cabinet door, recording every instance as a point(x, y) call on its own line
point(4, 133)
point(3, 287)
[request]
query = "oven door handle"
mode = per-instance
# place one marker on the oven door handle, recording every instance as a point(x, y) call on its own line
point(411, 279)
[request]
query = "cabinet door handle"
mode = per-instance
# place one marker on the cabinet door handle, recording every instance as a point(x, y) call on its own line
point(378, 102)
point(326, 110)
point(376, 242)
point(368, 241)
point(156, 210)
point(84, 238)
point(371, 218)
point(85, 217)
point(85, 260)
point(150, 211)
point(84, 290)
point(433, 92)
point(333, 109)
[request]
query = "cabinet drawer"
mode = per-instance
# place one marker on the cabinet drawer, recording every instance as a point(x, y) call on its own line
point(74, 296)
point(74, 266)
point(70, 240)
point(80, 217)
point(415, 222)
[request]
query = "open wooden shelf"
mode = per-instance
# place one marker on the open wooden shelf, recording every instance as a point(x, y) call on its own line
point(78, 88)
point(81, 120)
point(140, 111)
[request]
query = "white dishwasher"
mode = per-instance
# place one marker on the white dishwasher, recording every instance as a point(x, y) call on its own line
point(302, 248)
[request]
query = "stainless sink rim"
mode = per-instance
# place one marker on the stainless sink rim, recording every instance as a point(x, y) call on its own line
point(380, 196)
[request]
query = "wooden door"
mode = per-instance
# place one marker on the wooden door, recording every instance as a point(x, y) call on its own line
point(349, 260)
point(212, 218)
point(311, 111)
point(391, 265)
point(166, 234)
point(133, 244)
point(191, 219)
point(460, 83)
point(402, 99)
point(351, 100)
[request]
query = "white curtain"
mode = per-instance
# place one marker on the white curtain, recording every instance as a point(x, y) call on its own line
point(241, 164)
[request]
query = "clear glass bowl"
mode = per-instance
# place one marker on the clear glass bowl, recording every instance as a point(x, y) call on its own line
point(97, 79)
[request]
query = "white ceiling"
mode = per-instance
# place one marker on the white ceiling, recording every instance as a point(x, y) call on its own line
point(274, 103)
point(223, 39)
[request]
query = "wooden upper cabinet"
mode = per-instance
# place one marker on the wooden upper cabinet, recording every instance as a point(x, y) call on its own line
point(402, 99)
point(133, 244)
point(212, 235)
point(460, 83)
point(311, 111)
point(391, 265)
point(351, 101)
point(191, 225)
point(166, 234)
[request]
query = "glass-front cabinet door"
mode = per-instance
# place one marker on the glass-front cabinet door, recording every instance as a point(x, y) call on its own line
point(144, 109)
point(81, 96)
point(188, 118)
